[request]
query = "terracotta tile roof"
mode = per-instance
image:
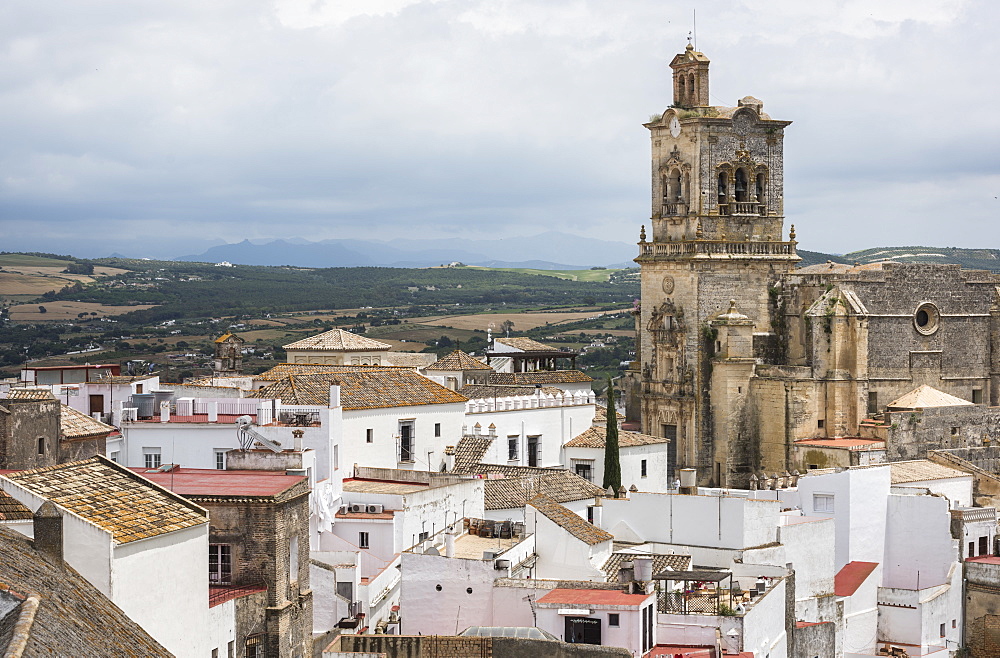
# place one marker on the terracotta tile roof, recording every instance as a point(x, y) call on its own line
point(73, 617)
point(586, 532)
point(469, 451)
point(338, 340)
point(371, 388)
point(11, 509)
point(851, 576)
point(409, 359)
point(925, 396)
point(557, 486)
point(539, 377)
point(486, 391)
point(600, 414)
point(661, 562)
point(75, 424)
point(282, 370)
point(30, 394)
point(526, 345)
point(127, 505)
point(918, 470)
point(124, 379)
point(595, 437)
point(587, 597)
point(458, 360)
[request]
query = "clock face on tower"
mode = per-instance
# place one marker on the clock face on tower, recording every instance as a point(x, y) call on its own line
point(675, 127)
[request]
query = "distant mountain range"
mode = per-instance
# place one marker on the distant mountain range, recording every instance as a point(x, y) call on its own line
point(547, 251)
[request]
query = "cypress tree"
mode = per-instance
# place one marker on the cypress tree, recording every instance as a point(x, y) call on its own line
point(612, 463)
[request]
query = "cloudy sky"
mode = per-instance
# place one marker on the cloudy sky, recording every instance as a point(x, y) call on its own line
point(156, 129)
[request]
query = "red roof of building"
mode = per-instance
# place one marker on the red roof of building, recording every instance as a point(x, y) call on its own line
point(593, 597)
point(849, 578)
point(803, 624)
point(672, 650)
point(219, 594)
point(849, 442)
point(210, 482)
point(984, 559)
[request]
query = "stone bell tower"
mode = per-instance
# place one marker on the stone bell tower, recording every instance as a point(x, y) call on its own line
point(715, 235)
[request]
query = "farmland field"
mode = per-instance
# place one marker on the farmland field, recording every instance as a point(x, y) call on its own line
point(68, 310)
point(522, 321)
point(569, 275)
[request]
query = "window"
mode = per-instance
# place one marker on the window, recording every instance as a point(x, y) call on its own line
point(954, 431)
point(942, 630)
point(362, 540)
point(926, 318)
point(533, 450)
point(820, 423)
point(872, 402)
point(336, 458)
point(406, 442)
point(977, 396)
point(151, 457)
point(823, 503)
point(255, 646)
point(642, 468)
point(231, 649)
point(423, 535)
point(972, 549)
point(590, 514)
point(369, 435)
point(954, 623)
point(613, 619)
point(114, 456)
point(215, 653)
point(220, 459)
point(984, 545)
point(437, 429)
point(512, 442)
point(220, 564)
point(41, 445)
point(138, 389)
point(584, 469)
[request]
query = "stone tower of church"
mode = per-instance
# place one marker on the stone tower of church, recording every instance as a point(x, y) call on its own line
point(713, 253)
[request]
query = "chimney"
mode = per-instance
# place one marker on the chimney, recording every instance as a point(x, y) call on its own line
point(334, 396)
point(689, 481)
point(48, 531)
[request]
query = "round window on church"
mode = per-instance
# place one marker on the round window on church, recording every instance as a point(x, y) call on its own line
point(926, 318)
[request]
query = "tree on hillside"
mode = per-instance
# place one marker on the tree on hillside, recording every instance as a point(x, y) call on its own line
point(506, 326)
point(612, 462)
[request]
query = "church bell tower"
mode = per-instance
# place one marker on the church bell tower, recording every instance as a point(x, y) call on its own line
point(714, 247)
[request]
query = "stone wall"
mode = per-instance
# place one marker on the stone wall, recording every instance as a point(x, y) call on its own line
point(914, 434)
point(23, 427)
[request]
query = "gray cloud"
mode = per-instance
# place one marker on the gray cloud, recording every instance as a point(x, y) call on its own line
point(153, 127)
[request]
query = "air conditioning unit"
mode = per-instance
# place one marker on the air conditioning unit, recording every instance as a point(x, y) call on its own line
point(343, 509)
point(500, 565)
point(374, 509)
point(489, 555)
point(357, 509)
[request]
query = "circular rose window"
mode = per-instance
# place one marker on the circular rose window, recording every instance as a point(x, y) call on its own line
point(926, 318)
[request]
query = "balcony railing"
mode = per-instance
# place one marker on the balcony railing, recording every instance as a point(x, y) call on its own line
point(716, 248)
point(673, 209)
point(743, 208)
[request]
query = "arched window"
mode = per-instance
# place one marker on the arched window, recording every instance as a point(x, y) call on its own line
point(675, 186)
point(723, 187)
point(759, 190)
point(665, 188)
point(741, 185)
point(692, 91)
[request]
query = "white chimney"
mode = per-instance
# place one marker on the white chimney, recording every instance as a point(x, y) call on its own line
point(334, 396)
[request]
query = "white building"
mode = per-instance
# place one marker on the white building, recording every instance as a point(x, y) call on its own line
point(142, 546)
point(643, 458)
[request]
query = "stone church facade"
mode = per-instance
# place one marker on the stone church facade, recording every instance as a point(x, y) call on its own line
point(739, 353)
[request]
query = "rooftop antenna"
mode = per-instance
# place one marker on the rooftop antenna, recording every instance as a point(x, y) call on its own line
point(694, 27)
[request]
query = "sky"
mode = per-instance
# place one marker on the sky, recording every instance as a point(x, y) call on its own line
point(159, 128)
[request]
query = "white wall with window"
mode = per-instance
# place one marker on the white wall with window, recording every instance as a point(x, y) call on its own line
point(544, 428)
point(642, 466)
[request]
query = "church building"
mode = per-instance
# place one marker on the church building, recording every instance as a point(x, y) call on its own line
point(739, 354)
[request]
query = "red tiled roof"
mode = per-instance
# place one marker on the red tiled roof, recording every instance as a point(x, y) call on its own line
point(671, 650)
point(219, 594)
point(849, 578)
point(984, 559)
point(365, 515)
point(210, 482)
point(593, 597)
